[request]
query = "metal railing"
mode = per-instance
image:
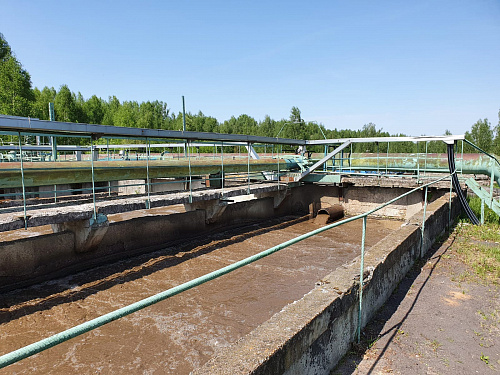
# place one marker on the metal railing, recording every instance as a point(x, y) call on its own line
point(75, 331)
point(487, 198)
point(248, 172)
point(415, 164)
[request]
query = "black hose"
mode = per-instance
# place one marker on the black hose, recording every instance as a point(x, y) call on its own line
point(458, 189)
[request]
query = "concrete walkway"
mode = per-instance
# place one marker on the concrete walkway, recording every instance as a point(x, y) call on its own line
point(439, 320)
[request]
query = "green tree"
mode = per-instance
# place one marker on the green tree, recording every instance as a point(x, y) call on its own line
point(496, 142)
point(64, 105)
point(16, 94)
point(80, 114)
point(296, 129)
point(94, 109)
point(42, 99)
point(481, 135)
point(267, 127)
point(153, 115)
point(228, 126)
point(5, 50)
point(246, 125)
point(112, 106)
point(127, 114)
point(295, 115)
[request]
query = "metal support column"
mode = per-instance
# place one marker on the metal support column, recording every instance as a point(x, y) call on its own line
point(278, 153)
point(418, 166)
point(462, 160)
point(93, 179)
point(387, 157)
point(425, 160)
point(222, 166)
point(492, 183)
point(482, 211)
point(422, 243)
point(190, 177)
point(449, 207)
point(148, 202)
point(248, 168)
point(184, 122)
point(361, 271)
point(22, 180)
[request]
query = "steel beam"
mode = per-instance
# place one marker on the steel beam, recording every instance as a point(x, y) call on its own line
point(324, 160)
point(424, 138)
point(8, 123)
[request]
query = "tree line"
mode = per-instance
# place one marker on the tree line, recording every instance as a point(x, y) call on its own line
point(19, 98)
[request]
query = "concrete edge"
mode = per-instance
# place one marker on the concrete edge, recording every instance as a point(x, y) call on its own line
point(57, 215)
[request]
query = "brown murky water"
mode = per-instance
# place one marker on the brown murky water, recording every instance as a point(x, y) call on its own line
point(183, 332)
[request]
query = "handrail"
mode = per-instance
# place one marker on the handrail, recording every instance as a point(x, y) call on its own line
point(484, 152)
point(39, 346)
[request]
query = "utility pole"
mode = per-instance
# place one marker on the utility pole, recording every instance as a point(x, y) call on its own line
point(184, 124)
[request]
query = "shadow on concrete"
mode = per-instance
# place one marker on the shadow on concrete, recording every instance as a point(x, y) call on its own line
point(43, 296)
point(373, 331)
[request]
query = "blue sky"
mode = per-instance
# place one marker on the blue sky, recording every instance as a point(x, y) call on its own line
point(415, 67)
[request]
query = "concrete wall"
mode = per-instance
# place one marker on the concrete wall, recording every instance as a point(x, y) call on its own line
point(27, 261)
point(158, 185)
point(311, 335)
point(360, 199)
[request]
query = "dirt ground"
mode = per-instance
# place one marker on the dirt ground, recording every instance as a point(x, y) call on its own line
point(440, 320)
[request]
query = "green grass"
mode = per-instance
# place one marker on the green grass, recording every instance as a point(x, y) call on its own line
point(478, 246)
point(489, 215)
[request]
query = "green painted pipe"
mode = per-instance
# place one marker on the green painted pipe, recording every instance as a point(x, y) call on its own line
point(49, 342)
point(51, 173)
point(438, 163)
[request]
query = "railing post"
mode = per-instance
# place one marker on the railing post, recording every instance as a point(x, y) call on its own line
point(325, 149)
point(449, 207)
point(418, 166)
point(462, 160)
point(387, 158)
point(278, 153)
point(492, 183)
point(222, 167)
point(22, 181)
point(422, 243)
point(361, 271)
point(350, 157)
point(378, 153)
point(148, 202)
point(248, 167)
point(222, 164)
point(425, 160)
point(93, 179)
point(190, 177)
point(482, 211)
point(341, 161)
